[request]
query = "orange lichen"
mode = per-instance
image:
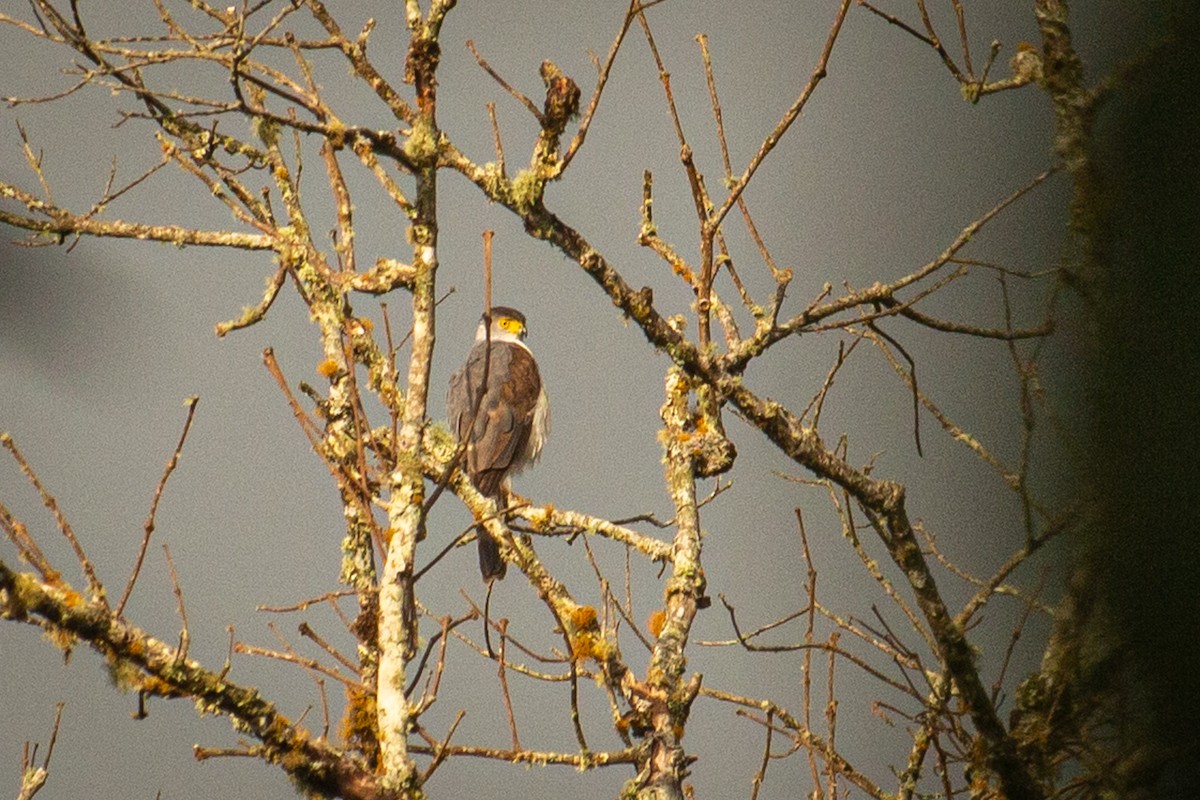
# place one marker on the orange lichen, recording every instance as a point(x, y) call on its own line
point(656, 621)
point(152, 684)
point(62, 639)
point(584, 617)
point(73, 599)
point(583, 646)
point(328, 368)
point(590, 644)
point(358, 723)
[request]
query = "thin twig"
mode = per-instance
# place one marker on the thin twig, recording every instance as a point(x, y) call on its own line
point(497, 140)
point(443, 748)
point(746, 644)
point(33, 778)
point(810, 587)
point(817, 404)
point(502, 674)
point(799, 733)
point(782, 276)
point(95, 587)
point(1015, 637)
point(148, 527)
point(242, 648)
point(27, 548)
point(761, 774)
point(185, 637)
point(519, 96)
point(441, 638)
point(911, 379)
point(307, 632)
point(818, 73)
point(636, 7)
point(831, 717)
point(303, 605)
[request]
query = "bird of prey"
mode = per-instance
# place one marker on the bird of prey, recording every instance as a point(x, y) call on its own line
point(499, 411)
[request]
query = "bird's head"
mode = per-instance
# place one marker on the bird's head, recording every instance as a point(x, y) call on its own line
point(508, 325)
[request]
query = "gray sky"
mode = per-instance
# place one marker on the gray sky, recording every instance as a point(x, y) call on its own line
point(100, 346)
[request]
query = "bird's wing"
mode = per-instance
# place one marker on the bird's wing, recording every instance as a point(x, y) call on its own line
point(501, 429)
point(529, 404)
point(458, 403)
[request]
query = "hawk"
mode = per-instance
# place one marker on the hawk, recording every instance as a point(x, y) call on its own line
point(499, 410)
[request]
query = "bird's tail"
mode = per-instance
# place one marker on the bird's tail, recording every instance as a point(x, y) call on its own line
point(491, 565)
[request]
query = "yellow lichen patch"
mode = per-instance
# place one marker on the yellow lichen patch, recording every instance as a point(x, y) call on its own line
point(152, 684)
point(336, 134)
point(124, 675)
point(656, 621)
point(583, 646)
point(584, 617)
point(388, 534)
point(683, 437)
point(359, 326)
point(62, 639)
point(358, 723)
point(328, 368)
point(542, 518)
point(681, 269)
point(602, 650)
point(587, 645)
point(73, 599)
point(527, 190)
